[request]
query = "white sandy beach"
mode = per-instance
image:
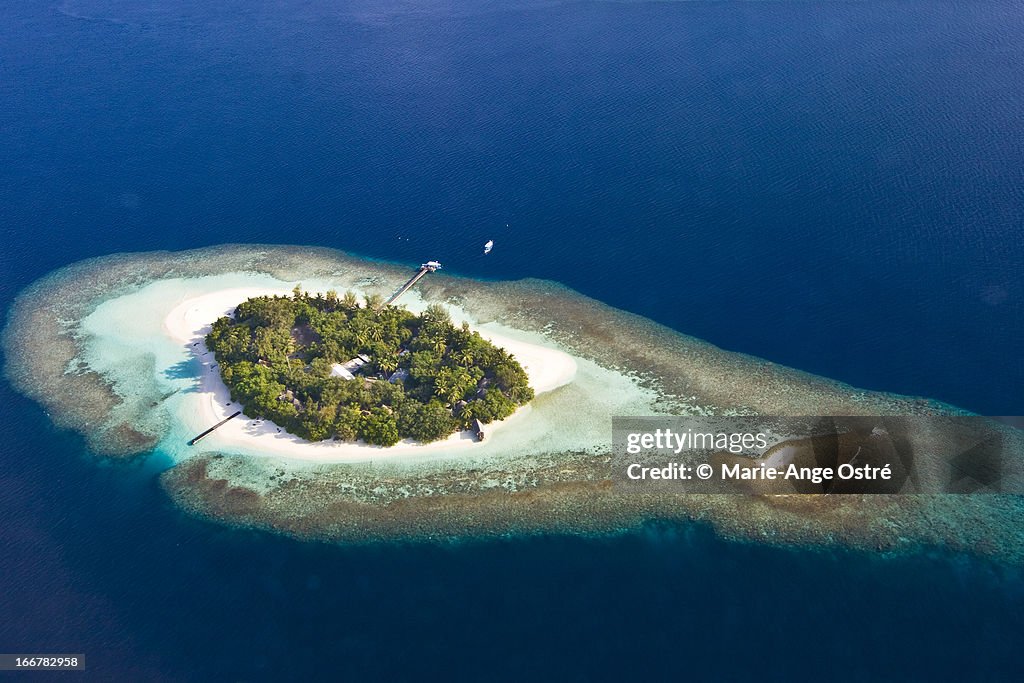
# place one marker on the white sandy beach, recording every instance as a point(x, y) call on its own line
point(190, 321)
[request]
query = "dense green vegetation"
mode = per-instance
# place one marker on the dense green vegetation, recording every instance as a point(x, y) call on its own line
point(276, 357)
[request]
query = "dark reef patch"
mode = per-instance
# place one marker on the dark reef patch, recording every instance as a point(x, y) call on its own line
point(573, 495)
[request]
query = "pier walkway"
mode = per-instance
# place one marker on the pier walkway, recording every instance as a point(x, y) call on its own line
point(428, 267)
point(192, 442)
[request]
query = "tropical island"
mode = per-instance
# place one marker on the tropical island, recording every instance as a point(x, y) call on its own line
point(115, 348)
point(325, 367)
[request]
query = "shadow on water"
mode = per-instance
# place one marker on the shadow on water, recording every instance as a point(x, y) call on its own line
point(188, 369)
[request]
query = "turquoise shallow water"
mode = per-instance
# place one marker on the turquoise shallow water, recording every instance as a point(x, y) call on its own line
point(832, 186)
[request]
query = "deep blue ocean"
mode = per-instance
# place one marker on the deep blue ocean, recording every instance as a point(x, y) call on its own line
point(835, 186)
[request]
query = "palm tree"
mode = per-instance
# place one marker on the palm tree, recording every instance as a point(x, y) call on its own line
point(463, 356)
point(444, 387)
point(451, 384)
point(362, 338)
point(438, 313)
point(387, 362)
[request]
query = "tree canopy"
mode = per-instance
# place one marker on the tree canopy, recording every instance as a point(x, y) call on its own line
point(415, 376)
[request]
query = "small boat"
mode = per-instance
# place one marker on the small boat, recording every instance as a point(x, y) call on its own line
point(488, 246)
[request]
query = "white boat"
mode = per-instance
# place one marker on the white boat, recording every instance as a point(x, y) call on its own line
point(488, 246)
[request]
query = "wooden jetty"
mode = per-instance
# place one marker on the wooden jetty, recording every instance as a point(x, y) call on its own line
point(233, 415)
point(428, 267)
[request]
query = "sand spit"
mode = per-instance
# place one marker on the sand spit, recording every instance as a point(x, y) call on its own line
point(129, 383)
